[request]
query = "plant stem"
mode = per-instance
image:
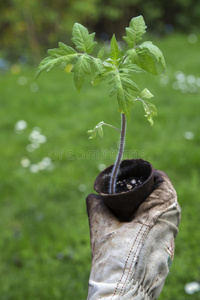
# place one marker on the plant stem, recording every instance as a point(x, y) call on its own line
point(111, 126)
point(112, 188)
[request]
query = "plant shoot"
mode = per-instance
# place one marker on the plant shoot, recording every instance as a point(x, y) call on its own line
point(119, 68)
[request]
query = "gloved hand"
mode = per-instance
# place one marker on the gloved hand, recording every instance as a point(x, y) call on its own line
point(131, 260)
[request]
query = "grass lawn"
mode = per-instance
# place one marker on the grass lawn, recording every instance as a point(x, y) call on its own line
point(44, 244)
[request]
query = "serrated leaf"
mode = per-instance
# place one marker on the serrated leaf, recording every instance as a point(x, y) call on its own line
point(149, 49)
point(58, 57)
point(142, 60)
point(124, 102)
point(106, 72)
point(108, 63)
point(81, 69)
point(66, 48)
point(148, 57)
point(113, 79)
point(82, 39)
point(128, 83)
point(146, 94)
point(125, 80)
point(131, 68)
point(61, 51)
point(98, 64)
point(101, 53)
point(135, 31)
point(150, 111)
point(123, 87)
point(98, 79)
point(116, 53)
point(113, 92)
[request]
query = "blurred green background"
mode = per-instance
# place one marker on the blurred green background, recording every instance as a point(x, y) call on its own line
point(48, 165)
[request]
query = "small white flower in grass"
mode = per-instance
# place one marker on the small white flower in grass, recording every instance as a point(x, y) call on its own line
point(25, 162)
point(180, 76)
point(30, 148)
point(42, 139)
point(34, 135)
point(198, 81)
point(192, 38)
point(41, 165)
point(193, 89)
point(188, 135)
point(36, 129)
point(192, 287)
point(20, 126)
point(22, 80)
point(35, 145)
point(101, 167)
point(47, 161)
point(82, 188)
point(34, 168)
point(47, 164)
point(50, 167)
point(186, 84)
point(191, 79)
point(184, 90)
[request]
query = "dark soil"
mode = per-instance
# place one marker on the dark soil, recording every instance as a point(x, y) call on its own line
point(128, 184)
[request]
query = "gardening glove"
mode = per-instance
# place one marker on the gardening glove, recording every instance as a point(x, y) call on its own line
point(131, 260)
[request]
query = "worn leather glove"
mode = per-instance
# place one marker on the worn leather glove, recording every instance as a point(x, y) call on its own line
point(131, 260)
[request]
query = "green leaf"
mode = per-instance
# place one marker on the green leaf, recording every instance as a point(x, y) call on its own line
point(113, 92)
point(100, 131)
point(97, 129)
point(101, 53)
point(92, 134)
point(116, 53)
point(61, 51)
point(107, 71)
point(98, 64)
point(127, 82)
point(135, 31)
point(61, 57)
point(81, 69)
point(149, 49)
point(124, 88)
point(150, 111)
point(124, 102)
point(148, 57)
point(146, 94)
point(131, 68)
point(82, 39)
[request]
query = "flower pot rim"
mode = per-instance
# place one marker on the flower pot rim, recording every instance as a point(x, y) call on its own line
point(107, 175)
point(124, 204)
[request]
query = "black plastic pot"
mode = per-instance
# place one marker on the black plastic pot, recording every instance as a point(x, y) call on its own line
point(124, 204)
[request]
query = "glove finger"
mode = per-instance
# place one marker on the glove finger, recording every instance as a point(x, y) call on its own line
point(101, 219)
point(164, 189)
point(161, 200)
point(96, 207)
point(160, 177)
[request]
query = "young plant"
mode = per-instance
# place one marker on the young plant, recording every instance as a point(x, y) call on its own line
point(120, 68)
